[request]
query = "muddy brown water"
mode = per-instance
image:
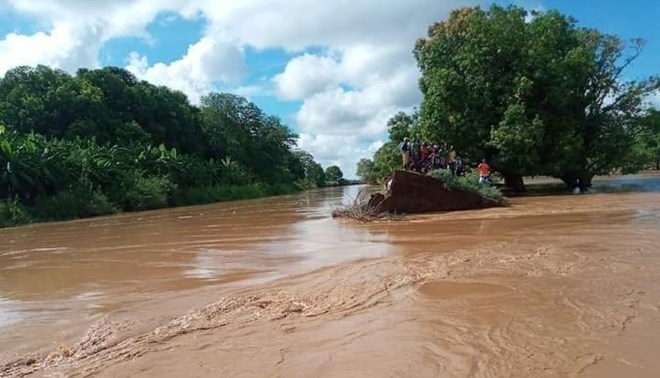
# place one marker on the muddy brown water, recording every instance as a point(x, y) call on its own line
point(550, 286)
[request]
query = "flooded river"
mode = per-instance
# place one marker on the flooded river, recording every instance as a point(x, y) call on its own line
point(557, 285)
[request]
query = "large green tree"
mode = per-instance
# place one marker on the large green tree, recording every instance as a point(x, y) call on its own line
point(311, 170)
point(102, 141)
point(108, 104)
point(239, 129)
point(648, 142)
point(365, 170)
point(388, 157)
point(334, 174)
point(533, 96)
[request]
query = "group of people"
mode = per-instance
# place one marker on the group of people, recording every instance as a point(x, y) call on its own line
point(423, 156)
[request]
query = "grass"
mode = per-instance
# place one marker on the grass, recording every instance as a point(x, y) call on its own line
point(12, 213)
point(470, 183)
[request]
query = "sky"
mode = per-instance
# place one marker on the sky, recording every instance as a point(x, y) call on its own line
point(334, 71)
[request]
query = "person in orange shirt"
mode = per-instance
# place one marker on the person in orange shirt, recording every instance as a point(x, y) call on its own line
point(484, 172)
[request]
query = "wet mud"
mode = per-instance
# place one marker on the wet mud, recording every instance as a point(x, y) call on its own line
point(552, 286)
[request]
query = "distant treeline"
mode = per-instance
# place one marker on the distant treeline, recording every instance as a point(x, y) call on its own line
point(102, 141)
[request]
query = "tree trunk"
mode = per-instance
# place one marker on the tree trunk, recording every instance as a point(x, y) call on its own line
point(657, 163)
point(515, 183)
point(571, 182)
point(582, 182)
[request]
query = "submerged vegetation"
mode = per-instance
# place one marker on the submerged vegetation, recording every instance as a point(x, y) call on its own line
point(102, 142)
point(360, 209)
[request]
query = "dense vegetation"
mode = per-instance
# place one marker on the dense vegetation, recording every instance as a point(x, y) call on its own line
point(101, 142)
point(469, 183)
point(534, 94)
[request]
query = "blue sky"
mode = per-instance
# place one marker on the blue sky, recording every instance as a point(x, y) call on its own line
point(334, 72)
point(170, 37)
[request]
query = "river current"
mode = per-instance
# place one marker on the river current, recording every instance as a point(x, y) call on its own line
point(556, 285)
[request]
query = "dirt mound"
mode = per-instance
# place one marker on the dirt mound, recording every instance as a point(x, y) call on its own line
point(411, 193)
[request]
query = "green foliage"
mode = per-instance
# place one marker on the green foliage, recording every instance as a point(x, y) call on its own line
point(365, 171)
point(239, 129)
point(102, 141)
point(518, 139)
point(334, 174)
point(535, 97)
point(647, 146)
point(76, 203)
point(470, 183)
point(13, 213)
point(388, 157)
point(306, 169)
point(141, 192)
point(403, 125)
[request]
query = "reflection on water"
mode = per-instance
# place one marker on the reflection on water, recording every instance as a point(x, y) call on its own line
point(9, 312)
point(99, 264)
point(627, 184)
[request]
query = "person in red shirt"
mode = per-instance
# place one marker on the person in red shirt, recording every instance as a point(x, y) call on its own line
point(424, 151)
point(484, 172)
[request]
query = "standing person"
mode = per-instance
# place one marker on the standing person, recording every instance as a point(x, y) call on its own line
point(442, 153)
point(404, 148)
point(484, 172)
point(414, 148)
point(451, 157)
point(424, 151)
point(460, 166)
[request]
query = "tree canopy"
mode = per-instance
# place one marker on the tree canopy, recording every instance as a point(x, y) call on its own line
point(387, 157)
point(537, 96)
point(102, 141)
point(334, 174)
point(365, 170)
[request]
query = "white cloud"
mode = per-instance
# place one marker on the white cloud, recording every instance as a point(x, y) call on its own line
point(250, 91)
point(653, 100)
point(306, 75)
point(208, 61)
point(341, 150)
point(62, 47)
point(361, 112)
point(356, 95)
point(116, 18)
point(297, 24)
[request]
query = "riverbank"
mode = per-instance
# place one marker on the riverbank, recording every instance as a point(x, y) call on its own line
point(550, 286)
point(80, 204)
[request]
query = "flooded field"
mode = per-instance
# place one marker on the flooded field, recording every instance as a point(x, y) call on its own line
point(562, 285)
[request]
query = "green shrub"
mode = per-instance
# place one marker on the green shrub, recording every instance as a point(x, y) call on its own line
point(470, 183)
point(138, 192)
point(12, 213)
point(72, 204)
